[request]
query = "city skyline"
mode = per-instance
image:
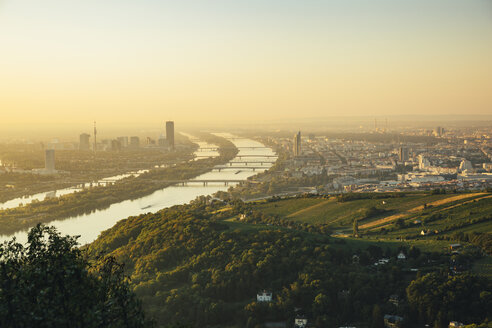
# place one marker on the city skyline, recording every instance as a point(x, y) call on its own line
point(246, 163)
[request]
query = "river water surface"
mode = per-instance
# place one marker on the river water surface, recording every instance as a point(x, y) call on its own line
point(89, 226)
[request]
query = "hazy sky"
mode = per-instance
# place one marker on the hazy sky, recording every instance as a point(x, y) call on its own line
point(121, 61)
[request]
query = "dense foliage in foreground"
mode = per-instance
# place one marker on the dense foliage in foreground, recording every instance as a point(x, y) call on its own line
point(189, 266)
point(49, 283)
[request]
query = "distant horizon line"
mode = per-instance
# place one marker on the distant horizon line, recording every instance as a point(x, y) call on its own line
point(187, 121)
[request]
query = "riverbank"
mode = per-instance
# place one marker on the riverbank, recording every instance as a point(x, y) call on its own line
point(97, 198)
point(77, 167)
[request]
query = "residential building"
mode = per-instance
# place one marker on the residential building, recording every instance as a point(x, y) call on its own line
point(401, 256)
point(392, 321)
point(300, 322)
point(264, 296)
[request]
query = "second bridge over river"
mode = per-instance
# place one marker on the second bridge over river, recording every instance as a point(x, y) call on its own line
point(205, 182)
point(242, 167)
point(243, 156)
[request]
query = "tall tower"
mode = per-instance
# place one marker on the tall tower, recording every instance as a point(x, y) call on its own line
point(170, 133)
point(403, 154)
point(95, 137)
point(297, 144)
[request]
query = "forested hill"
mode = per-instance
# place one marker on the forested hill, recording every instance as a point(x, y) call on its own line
point(190, 266)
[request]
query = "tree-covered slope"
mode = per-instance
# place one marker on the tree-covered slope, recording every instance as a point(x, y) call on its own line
point(49, 282)
point(190, 266)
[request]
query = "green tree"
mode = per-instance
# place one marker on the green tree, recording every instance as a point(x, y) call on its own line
point(356, 228)
point(440, 321)
point(49, 283)
point(377, 317)
point(435, 296)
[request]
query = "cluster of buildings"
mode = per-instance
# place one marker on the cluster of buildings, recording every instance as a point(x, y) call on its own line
point(302, 321)
point(120, 143)
point(451, 160)
point(125, 142)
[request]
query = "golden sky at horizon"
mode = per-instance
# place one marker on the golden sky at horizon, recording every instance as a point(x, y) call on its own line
point(210, 60)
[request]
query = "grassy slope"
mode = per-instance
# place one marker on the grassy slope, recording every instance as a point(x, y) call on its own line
point(340, 214)
point(287, 207)
point(428, 245)
point(453, 208)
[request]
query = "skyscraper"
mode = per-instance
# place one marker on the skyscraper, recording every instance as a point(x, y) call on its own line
point(115, 145)
point(297, 144)
point(134, 142)
point(438, 131)
point(49, 160)
point(403, 154)
point(123, 141)
point(170, 134)
point(84, 142)
point(424, 163)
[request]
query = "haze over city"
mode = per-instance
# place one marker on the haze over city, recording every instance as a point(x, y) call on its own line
point(246, 164)
point(123, 63)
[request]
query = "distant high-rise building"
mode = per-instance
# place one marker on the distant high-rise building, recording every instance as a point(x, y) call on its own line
point(403, 154)
point(134, 142)
point(170, 133)
point(162, 141)
point(150, 141)
point(439, 131)
point(84, 142)
point(49, 160)
point(105, 144)
point(424, 163)
point(466, 165)
point(115, 145)
point(297, 144)
point(123, 141)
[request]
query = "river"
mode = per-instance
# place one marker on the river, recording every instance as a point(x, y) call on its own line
point(89, 226)
point(12, 203)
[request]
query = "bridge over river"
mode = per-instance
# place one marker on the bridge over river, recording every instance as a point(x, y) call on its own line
point(88, 226)
point(244, 167)
point(240, 148)
point(204, 182)
point(243, 156)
